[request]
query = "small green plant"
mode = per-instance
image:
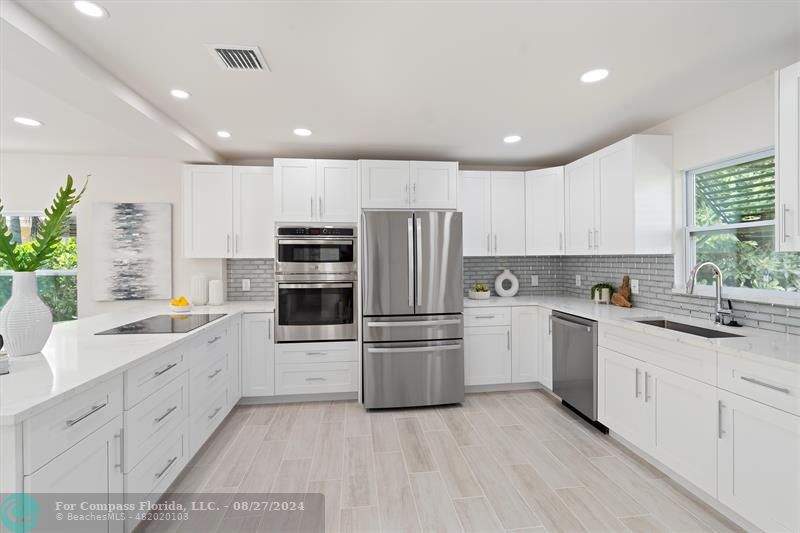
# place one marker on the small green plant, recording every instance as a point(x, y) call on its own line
point(480, 287)
point(597, 287)
point(47, 245)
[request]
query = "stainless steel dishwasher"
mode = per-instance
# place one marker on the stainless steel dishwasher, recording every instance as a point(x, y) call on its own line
point(575, 363)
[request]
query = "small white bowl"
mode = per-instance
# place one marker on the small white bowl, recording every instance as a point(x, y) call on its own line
point(180, 309)
point(483, 295)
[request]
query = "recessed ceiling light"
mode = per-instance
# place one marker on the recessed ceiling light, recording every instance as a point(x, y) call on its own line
point(90, 9)
point(510, 139)
point(25, 121)
point(302, 132)
point(223, 134)
point(179, 93)
point(594, 75)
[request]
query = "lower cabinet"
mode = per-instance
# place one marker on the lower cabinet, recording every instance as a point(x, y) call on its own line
point(759, 462)
point(316, 368)
point(487, 355)
point(545, 348)
point(620, 400)
point(258, 355)
point(525, 344)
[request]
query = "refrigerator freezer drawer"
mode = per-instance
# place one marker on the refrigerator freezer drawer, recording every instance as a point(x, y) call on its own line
point(413, 374)
point(413, 328)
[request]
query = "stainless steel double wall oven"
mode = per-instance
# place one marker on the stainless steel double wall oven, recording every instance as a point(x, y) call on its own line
point(316, 286)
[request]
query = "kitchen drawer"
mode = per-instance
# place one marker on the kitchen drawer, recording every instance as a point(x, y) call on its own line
point(487, 316)
point(209, 345)
point(663, 350)
point(205, 421)
point(152, 418)
point(61, 426)
point(207, 381)
point(160, 468)
point(773, 385)
point(313, 378)
point(316, 352)
point(143, 380)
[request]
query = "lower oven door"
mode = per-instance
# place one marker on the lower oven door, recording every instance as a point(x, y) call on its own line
point(313, 312)
point(408, 374)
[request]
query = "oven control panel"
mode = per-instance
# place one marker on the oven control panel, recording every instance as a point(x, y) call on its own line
point(326, 231)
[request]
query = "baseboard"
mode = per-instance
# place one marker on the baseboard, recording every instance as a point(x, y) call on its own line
point(503, 387)
point(292, 398)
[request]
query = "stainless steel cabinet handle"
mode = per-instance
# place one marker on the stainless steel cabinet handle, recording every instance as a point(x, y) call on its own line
point(488, 243)
point(786, 233)
point(413, 323)
point(311, 204)
point(484, 316)
point(320, 207)
point(166, 368)
point(430, 348)
point(419, 261)
point(508, 339)
point(636, 386)
point(212, 415)
point(414, 193)
point(214, 373)
point(269, 329)
point(408, 196)
point(88, 413)
point(590, 238)
point(316, 379)
point(495, 244)
point(228, 243)
point(646, 393)
point(720, 431)
point(316, 353)
point(119, 448)
point(410, 262)
point(764, 384)
point(165, 415)
point(236, 243)
point(596, 239)
point(560, 241)
point(215, 339)
point(164, 470)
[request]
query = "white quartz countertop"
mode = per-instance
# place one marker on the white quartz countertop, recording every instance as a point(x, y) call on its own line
point(774, 348)
point(75, 359)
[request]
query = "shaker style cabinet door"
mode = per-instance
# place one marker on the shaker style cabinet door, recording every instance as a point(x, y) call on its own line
point(544, 211)
point(385, 184)
point(621, 404)
point(787, 159)
point(476, 204)
point(434, 184)
point(545, 348)
point(337, 191)
point(525, 344)
point(253, 218)
point(579, 206)
point(613, 230)
point(207, 211)
point(508, 213)
point(258, 354)
point(295, 190)
point(487, 355)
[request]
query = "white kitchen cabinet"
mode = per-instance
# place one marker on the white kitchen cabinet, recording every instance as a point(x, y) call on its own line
point(337, 190)
point(408, 184)
point(92, 466)
point(227, 211)
point(235, 363)
point(295, 189)
point(618, 200)
point(434, 184)
point(493, 204)
point(787, 158)
point(487, 355)
point(310, 190)
point(525, 344)
point(544, 211)
point(258, 355)
point(759, 462)
point(545, 348)
point(620, 398)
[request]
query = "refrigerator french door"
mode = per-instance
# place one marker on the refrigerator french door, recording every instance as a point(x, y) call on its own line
point(412, 286)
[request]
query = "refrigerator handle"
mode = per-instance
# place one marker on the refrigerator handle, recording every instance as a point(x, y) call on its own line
point(411, 262)
point(419, 260)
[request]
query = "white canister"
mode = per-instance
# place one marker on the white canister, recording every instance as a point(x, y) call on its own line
point(215, 294)
point(199, 290)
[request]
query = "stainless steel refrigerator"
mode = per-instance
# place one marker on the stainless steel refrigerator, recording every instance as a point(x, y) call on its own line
point(413, 300)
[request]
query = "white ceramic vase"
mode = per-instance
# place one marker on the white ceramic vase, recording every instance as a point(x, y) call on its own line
point(25, 321)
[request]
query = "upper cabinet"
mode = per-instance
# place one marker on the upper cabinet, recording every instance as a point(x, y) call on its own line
point(227, 211)
point(618, 200)
point(408, 184)
point(544, 211)
point(787, 156)
point(493, 204)
point(315, 190)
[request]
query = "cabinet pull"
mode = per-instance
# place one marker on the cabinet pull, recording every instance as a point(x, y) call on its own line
point(228, 243)
point(508, 340)
point(636, 385)
point(166, 368)
point(414, 193)
point(488, 243)
point(408, 197)
point(786, 234)
point(484, 316)
point(646, 393)
point(720, 431)
point(164, 470)
point(71, 422)
point(119, 448)
point(596, 239)
point(165, 415)
point(549, 325)
point(316, 379)
point(215, 339)
point(589, 239)
point(316, 353)
point(764, 384)
point(320, 207)
point(495, 244)
point(212, 415)
point(236, 243)
point(215, 373)
point(560, 241)
point(269, 329)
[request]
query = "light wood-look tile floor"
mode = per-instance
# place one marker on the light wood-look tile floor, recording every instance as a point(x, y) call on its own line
point(501, 461)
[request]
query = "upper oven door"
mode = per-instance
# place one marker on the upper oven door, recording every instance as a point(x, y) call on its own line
point(323, 256)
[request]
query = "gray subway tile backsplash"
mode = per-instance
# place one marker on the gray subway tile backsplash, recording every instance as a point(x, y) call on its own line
point(261, 274)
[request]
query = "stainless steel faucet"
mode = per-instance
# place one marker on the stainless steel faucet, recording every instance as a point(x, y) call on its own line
point(720, 312)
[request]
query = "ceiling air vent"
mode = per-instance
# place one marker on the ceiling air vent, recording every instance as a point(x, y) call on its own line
point(239, 57)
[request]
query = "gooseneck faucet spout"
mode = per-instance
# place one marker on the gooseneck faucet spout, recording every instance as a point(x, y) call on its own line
point(720, 312)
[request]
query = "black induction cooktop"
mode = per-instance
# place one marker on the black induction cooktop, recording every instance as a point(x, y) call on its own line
point(163, 324)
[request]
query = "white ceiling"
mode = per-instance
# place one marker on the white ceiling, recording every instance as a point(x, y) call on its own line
point(425, 80)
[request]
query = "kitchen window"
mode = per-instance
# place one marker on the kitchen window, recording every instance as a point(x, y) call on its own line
point(58, 284)
point(731, 222)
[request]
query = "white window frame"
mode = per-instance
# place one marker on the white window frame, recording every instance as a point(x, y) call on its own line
point(738, 293)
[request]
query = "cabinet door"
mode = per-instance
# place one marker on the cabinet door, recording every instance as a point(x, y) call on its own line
point(487, 355)
point(337, 191)
point(92, 466)
point(475, 198)
point(508, 213)
point(434, 184)
point(620, 398)
point(614, 220)
point(207, 211)
point(295, 190)
point(787, 160)
point(385, 184)
point(258, 355)
point(235, 363)
point(685, 427)
point(525, 344)
point(544, 211)
point(545, 348)
point(253, 219)
point(759, 462)
point(579, 206)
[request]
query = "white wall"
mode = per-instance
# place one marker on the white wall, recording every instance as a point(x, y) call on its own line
point(29, 181)
point(734, 124)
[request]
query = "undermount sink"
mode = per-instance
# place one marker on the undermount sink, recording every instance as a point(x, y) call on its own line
point(686, 328)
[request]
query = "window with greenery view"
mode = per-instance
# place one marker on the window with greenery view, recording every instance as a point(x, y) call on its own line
point(58, 280)
point(731, 222)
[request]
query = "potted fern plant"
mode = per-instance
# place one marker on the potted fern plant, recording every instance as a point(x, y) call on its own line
point(25, 321)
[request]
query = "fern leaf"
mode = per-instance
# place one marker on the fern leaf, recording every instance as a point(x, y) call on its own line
point(8, 254)
point(56, 219)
